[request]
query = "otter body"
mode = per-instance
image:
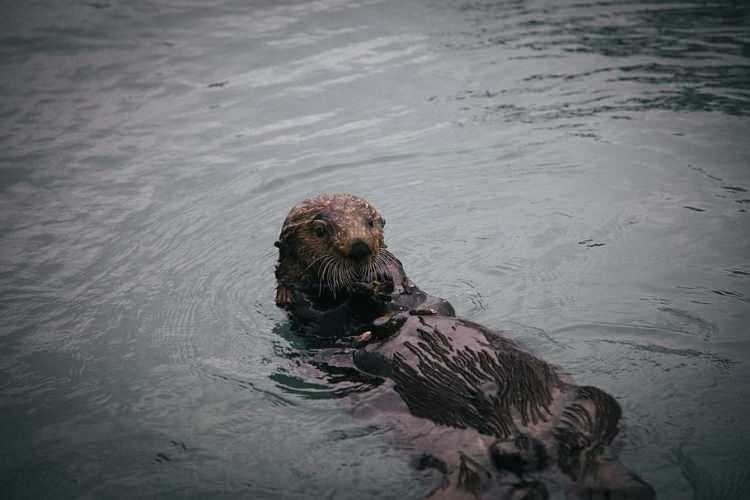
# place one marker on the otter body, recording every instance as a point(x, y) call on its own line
point(467, 401)
point(496, 421)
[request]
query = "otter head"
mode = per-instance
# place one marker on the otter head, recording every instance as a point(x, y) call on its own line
point(330, 242)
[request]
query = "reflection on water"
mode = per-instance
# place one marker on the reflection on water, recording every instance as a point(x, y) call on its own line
point(575, 172)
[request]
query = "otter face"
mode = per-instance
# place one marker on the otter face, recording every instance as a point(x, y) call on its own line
point(335, 240)
point(353, 231)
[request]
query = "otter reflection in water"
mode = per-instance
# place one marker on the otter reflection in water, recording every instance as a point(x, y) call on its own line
point(468, 401)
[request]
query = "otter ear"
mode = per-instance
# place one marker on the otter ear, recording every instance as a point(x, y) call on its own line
point(285, 243)
point(282, 244)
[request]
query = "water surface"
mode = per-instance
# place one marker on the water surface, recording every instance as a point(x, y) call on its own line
point(576, 171)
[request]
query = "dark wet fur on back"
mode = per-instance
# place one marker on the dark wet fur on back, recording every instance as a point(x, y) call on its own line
point(538, 425)
point(468, 388)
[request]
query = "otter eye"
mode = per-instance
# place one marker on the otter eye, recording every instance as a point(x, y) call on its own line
point(320, 230)
point(371, 223)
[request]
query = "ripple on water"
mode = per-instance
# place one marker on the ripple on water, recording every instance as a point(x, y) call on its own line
point(543, 164)
point(690, 65)
point(689, 322)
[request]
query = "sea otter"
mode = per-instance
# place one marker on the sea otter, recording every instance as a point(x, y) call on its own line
point(494, 420)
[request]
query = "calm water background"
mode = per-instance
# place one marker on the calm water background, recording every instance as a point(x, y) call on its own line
point(577, 171)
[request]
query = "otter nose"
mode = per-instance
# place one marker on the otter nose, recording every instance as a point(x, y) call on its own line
point(359, 249)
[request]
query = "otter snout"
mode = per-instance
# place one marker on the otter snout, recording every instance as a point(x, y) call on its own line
point(359, 249)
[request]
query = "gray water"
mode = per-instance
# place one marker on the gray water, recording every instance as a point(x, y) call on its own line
point(578, 172)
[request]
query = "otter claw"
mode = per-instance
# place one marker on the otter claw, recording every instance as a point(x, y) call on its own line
point(361, 287)
point(374, 287)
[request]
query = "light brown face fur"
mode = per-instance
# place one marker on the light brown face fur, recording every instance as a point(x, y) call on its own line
point(329, 242)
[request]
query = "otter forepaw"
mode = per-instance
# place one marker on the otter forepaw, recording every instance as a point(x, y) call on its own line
point(284, 296)
point(375, 290)
point(362, 288)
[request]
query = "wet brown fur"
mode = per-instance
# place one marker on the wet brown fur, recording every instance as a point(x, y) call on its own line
point(316, 242)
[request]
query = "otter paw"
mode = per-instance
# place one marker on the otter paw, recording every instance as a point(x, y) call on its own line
point(382, 289)
point(362, 287)
point(284, 296)
point(376, 289)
